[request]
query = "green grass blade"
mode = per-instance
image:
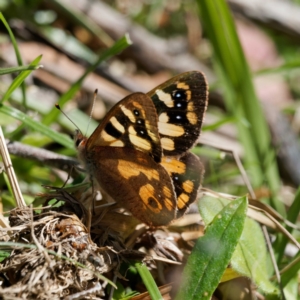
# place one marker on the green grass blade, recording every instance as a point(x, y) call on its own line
point(4, 71)
point(240, 98)
point(148, 281)
point(119, 46)
point(212, 252)
point(37, 126)
point(292, 216)
point(13, 40)
point(20, 79)
point(285, 68)
point(18, 55)
point(291, 271)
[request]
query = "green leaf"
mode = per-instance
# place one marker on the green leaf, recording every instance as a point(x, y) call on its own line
point(123, 294)
point(19, 79)
point(4, 254)
point(148, 281)
point(37, 126)
point(212, 252)
point(250, 256)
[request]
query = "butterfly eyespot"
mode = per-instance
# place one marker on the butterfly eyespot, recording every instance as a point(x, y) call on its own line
point(152, 202)
point(176, 178)
point(139, 121)
point(179, 95)
point(136, 112)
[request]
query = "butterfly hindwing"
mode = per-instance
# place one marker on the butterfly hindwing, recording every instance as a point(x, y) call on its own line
point(143, 186)
point(181, 104)
point(186, 173)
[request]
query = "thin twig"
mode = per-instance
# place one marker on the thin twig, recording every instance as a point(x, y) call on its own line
point(10, 172)
point(269, 244)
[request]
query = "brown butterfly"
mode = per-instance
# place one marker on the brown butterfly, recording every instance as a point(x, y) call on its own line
point(139, 153)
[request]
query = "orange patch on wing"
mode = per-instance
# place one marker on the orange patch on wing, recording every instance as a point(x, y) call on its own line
point(188, 95)
point(167, 200)
point(173, 165)
point(192, 117)
point(182, 200)
point(190, 106)
point(188, 186)
point(182, 85)
point(130, 169)
point(147, 193)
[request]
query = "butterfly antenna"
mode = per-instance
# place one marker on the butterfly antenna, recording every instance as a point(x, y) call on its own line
point(94, 100)
point(59, 108)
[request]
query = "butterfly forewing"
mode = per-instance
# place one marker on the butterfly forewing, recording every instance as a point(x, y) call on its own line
point(131, 123)
point(181, 104)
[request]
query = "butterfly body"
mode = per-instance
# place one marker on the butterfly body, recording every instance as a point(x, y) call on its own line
point(138, 154)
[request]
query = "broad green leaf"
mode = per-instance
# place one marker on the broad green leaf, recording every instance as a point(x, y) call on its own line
point(291, 290)
point(250, 256)
point(212, 252)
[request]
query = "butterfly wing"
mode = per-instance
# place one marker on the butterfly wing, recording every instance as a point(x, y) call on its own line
point(138, 153)
point(131, 123)
point(186, 173)
point(180, 103)
point(134, 179)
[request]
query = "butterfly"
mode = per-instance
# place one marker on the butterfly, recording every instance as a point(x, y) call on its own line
point(139, 154)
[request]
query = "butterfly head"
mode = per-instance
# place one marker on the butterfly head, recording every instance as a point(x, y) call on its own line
point(79, 140)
